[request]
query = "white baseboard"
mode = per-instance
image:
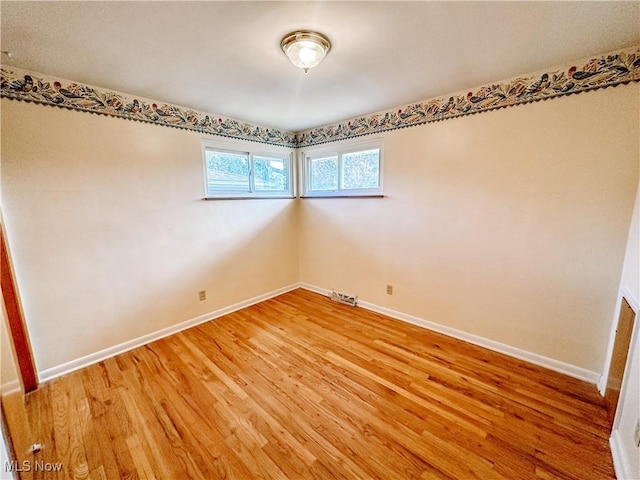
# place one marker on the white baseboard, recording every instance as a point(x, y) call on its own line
point(96, 357)
point(565, 368)
point(621, 463)
point(550, 363)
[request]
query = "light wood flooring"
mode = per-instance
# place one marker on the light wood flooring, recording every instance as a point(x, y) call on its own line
point(301, 387)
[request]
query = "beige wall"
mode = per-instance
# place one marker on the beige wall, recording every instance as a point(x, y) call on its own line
point(510, 225)
point(109, 235)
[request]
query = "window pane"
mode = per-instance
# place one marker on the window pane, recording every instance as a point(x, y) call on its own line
point(271, 174)
point(227, 171)
point(323, 173)
point(361, 169)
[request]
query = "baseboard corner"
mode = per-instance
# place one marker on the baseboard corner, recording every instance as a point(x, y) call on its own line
point(515, 352)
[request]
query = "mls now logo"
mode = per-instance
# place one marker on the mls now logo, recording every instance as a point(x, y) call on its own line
point(29, 466)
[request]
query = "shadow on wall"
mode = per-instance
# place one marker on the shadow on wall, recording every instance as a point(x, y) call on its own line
point(139, 277)
point(515, 235)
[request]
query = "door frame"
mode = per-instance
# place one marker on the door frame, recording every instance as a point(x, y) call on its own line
point(620, 461)
point(632, 300)
point(627, 360)
point(18, 334)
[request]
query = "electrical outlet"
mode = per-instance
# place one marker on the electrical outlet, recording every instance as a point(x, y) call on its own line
point(636, 434)
point(202, 295)
point(389, 289)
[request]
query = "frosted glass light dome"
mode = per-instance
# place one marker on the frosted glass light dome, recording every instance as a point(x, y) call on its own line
point(305, 49)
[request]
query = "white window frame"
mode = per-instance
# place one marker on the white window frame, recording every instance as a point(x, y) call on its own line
point(338, 150)
point(252, 150)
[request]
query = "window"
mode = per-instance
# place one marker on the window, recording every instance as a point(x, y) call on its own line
point(349, 169)
point(234, 171)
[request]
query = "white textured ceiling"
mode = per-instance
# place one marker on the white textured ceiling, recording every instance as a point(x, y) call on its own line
point(225, 57)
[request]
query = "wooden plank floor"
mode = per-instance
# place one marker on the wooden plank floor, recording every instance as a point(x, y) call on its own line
point(301, 387)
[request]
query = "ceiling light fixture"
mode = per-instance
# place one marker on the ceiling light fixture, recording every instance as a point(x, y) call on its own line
point(305, 49)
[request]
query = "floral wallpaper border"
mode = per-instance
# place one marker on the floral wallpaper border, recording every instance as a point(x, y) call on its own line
point(599, 72)
point(19, 84)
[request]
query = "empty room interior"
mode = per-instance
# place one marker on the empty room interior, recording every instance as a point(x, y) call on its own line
point(359, 240)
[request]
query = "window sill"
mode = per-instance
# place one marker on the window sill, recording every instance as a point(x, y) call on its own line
point(379, 195)
point(257, 197)
point(306, 197)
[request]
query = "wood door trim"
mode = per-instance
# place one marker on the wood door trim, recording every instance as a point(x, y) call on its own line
point(17, 327)
point(619, 357)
